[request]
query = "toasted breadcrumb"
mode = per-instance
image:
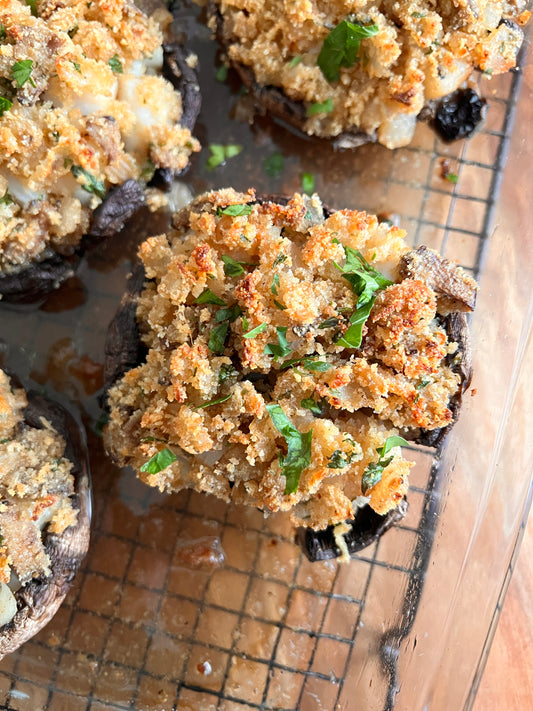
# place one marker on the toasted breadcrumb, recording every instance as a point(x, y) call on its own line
point(422, 50)
point(221, 289)
point(91, 113)
point(35, 488)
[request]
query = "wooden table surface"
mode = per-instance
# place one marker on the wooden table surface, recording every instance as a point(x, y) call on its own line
point(507, 684)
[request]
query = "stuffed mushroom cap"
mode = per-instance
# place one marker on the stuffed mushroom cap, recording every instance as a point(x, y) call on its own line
point(44, 510)
point(86, 119)
point(286, 349)
point(357, 71)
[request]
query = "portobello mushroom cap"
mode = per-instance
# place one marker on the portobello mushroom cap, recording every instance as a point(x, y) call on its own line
point(124, 351)
point(39, 600)
point(454, 116)
point(36, 281)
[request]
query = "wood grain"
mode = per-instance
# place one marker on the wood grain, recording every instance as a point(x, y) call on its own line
point(507, 682)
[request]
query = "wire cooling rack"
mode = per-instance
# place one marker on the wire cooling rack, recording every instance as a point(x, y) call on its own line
point(185, 602)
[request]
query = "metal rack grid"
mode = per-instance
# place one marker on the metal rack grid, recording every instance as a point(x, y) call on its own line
point(142, 621)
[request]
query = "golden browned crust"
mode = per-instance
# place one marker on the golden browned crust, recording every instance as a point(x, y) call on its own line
point(422, 51)
point(91, 114)
point(286, 282)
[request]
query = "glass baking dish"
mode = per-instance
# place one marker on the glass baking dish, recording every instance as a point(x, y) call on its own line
point(185, 602)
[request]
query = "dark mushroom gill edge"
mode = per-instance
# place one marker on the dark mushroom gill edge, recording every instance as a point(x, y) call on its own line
point(38, 601)
point(124, 350)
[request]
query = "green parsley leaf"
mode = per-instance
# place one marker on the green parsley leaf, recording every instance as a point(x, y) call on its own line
point(340, 459)
point(217, 338)
point(222, 73)
point(255, 331)
point(235, 210)
point(309, 364)
point(5, 105)
point(73, 31)
point(298, 456)
point(76, 66)
point(207, 297)
point(245, 323)
point(280, 306)
point(374, 471)
point(226, 372)
point(295, 61)
point(6, 199)
point(273, 165)
point(308, 183)
point(365, 282)
point(279, 260)
point(228, 314)
point(21, 72)
point(281, 348)
point(341, 47)
point(159, 461)
point(3, 33)
point(116, 64)
point(317, 408)
point(417, 15)
point(214, 402)
point(275, 285)
point(452, 178)
point(220, 154)
point(32, 4)
point(422, 384)
point(232, 267)
point(329, 322)
point(91, 185)
point(326, 107)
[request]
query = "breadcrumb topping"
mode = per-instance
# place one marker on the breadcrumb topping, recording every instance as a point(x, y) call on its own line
point(35, 489)
point(247, 317)
point(82, 109)
point(421, 50)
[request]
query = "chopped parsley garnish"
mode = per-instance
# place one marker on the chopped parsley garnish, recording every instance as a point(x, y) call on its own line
point(73, 31)
point(21, 72)
point(207, 297)
point(222, 73)
point(220, 154)
point(420, 386)
point(275, 285)
point(316, 408)
point(217, 338)
point(452, 178)
point(309, 364)
point(365, 282)
point(159, 461)
point(329, 322)
point(255, 331)
point(235, 210)
point(280, 306)
point(91, 184)
point(418, 15)
point(273, 165)
point(116, 64)
point(308, 183)
point(32, 4)
point(373, 472)
point(234, 268)
point(326, 107)
point(6, 199)
point(5, 105)
point(279, 260)
point(214, 402)
point(298, 456)
point(281, 348)
point(3, 33)
point(295, 61)
point(226, 372)
point(76, 66)
point(341, 47)
point(228, 314)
